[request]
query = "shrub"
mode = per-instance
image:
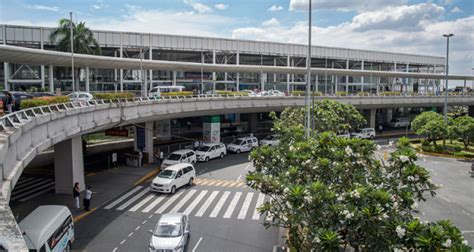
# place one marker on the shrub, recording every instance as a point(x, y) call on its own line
point(111, 96)
point(390, 93)
point(42, 101)
point(425, 143)
point(341, 93)
point(363, 93)
point(303, 93)
point(464, 154)
point(182, 93)
point(232, 93)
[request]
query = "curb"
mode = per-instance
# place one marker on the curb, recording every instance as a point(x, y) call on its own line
point(444, 155)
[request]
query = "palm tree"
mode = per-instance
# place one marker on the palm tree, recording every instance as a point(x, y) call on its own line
point(84, 41)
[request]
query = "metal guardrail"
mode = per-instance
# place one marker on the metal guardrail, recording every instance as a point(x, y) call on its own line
point(13, 120)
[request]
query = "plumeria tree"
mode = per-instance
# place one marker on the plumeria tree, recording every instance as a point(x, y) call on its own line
point(331, 192)
point(431, 125)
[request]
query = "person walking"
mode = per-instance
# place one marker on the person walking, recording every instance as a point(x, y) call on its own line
point(87, 198)
point(189, 125)
point(76, 193)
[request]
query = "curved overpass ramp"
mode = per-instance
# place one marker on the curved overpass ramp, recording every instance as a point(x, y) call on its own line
point(26, 133)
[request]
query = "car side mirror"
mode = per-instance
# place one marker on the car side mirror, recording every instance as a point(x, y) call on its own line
point(186, 231)
point(150, 231)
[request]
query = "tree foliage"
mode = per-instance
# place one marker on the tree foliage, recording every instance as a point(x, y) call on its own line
point(463, 128)
point(431, 125)
point(331, 192)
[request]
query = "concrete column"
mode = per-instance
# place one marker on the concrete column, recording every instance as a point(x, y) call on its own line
point(252, 123)
point(121, 56)
point(149, 141)
point(51, 79)
point(237, 61)
point(211, 129)
point(347, 76)
point(42, 77)
point(163, 130)
point(317, 84)
point(115, 70)
point(225, 62)
point(362, 78)
point(174, 78)
point(214, 77)
point(288, 75)
point(274, 75)
point(150, 56)
point(87, 80)
point(372, 113)
point(68, 165)
point(406, 79)
point(471, 111)
point(6, 74)
point(332, 79)
point(145, 83)
point(42, 66)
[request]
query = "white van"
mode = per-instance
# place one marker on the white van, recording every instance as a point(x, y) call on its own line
point(243, 144)
point(367, 133)
point(181, 156)
point(156, 91)
point(173, 177)
point(271, 140)
point(48, 228)
point(399, 122)
point(210, 150)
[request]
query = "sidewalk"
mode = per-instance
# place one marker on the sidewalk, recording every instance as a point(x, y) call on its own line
point(106, 184)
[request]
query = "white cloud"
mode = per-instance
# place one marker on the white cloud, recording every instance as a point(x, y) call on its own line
point(343, 5)
point(199, 7)
point(275, 8)
point(221, 6)
point(271, 22)
point(43, 7)
point(96, 7)
point(456, 10)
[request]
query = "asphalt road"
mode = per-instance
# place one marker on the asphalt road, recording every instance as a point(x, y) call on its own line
point(222, 219)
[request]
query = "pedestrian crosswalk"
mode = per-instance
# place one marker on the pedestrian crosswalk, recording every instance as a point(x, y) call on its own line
point(220, 183)
point(194, 201)
point(30, 187)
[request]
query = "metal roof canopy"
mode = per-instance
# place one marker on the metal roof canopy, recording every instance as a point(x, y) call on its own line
point(23, 55)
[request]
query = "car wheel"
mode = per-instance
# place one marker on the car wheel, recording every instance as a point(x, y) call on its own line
point(207, 159)
point(173, 189)
point(238, 152)
point(191, 181)
point(222, 155)
point(371, 137)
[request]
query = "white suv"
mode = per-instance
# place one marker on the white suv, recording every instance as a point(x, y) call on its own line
point(364, 133)
point(399, 122)
point(181, 156)
point(243, 144)
point(270, 140)
point(210, 150)
point(173, 177)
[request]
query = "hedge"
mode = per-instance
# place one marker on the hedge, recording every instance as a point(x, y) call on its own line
point(363, 93)
point(232, 93)
point(341, 93)
point(182, 93)
point(303, 93)
point(390, 93)
point(43, 101)
point(112, 96)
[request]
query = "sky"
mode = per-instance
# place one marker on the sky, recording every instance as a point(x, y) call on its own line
point(405, 26)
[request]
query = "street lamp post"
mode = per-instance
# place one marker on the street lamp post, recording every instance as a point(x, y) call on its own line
point(447, 36)
point(72, 51)
point(308, 78)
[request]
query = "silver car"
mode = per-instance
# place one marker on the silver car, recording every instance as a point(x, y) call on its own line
point(171, 233)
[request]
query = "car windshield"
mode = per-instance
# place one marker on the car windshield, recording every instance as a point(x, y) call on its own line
point(174, 157)
point(204, 148)
point(239, 142)
point(168, 230)
point(167, 174)
point(358, 131)
point(269, 137)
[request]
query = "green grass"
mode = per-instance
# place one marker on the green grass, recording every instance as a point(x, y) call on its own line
point(102, 138)
point(454, 148)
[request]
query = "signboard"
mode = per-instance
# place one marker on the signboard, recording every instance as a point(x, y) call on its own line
point(211, 129)
point(116, 132)
point(140, 138)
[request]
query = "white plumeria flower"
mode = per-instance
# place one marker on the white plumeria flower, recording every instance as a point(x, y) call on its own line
point(308, 198)
point(349, 151)
point(286, 190)
point(447, 244)
point(292, 148)
point(403, 158)
point(400, 231)
point(464, 242)
point(317, 240)
point(385, 215)
point(411, 178)
point(378, 147)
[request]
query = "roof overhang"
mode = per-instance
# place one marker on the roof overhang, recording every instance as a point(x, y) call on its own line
point(23, 55)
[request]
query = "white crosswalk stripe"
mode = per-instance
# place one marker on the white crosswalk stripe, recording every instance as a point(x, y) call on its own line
point(232, 205)
point(206, 204)
point(261, 198)
point(134, 198)
point(245, 206)
point(182, 201)
point(36, 188)
point(29, 187)
point(169, 202)
point(117, 201)
point(195, 202)
point(219, 205)
point(153, 204)
point(141, 203)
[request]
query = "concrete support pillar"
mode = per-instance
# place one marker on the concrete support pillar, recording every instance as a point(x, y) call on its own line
point(362, 78)
point(115, 70)
point(121, 56)
point(174, 78)
point(225, 74)
point(42, 77)
point(150, 72)
point(68, 165)
point(347, 76)
point(275, 75)
point(288, 75)
point(372, 113)
point(6, 74)
point(145, 83)
point(214, 78)
point(149, 141)
point(51, 79)
point(317, 83)
point(87, 80)
point(237, 62)
point(211, 129)
point(471, 111)
point(163, 130)
point(42, 66)
point(252, 123)
point(406, 79)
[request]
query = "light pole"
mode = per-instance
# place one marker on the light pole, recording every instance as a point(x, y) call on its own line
point(308, 78)
point(72, 50)
point(447, 36)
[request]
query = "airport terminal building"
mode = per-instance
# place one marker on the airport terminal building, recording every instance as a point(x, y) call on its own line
point(218, 51)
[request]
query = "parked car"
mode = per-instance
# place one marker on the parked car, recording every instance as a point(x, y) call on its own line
point(344, 134)
point(243, 144)
point(173, 178)
point(275, 93)
point(399, 122)
point(171, 233)
point(364, 133)
point(80, 96)
point(42, 94)
point(250, 92)
point(271, 140)
point(210, 150)
point(181, 156)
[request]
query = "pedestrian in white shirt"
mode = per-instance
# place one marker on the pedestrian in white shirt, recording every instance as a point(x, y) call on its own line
point(87, 198)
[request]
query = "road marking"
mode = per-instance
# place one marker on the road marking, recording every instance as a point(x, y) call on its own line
point(37, 194)
point(239, 177)
point(232, 205)
point(143, 222)
point(115, 249)
point(123, 241)
point(246, 167)
point(214, 182)
point(134, 198)
point(197, 244)
point(168, 203)
point(245, 206)
point(227, 183)
point(261, 198)
point(130, 235)
point(195, 202)
point(219, 205)
point(141, 203)
point(149, 217)
point(123, 197)
point(183, 201)
point(206, 204)
point(136, 229)
point(153, 204)
point(234, 183)
point(36, 187)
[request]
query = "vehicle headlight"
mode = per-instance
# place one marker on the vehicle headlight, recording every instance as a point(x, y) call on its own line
point(179, 247)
